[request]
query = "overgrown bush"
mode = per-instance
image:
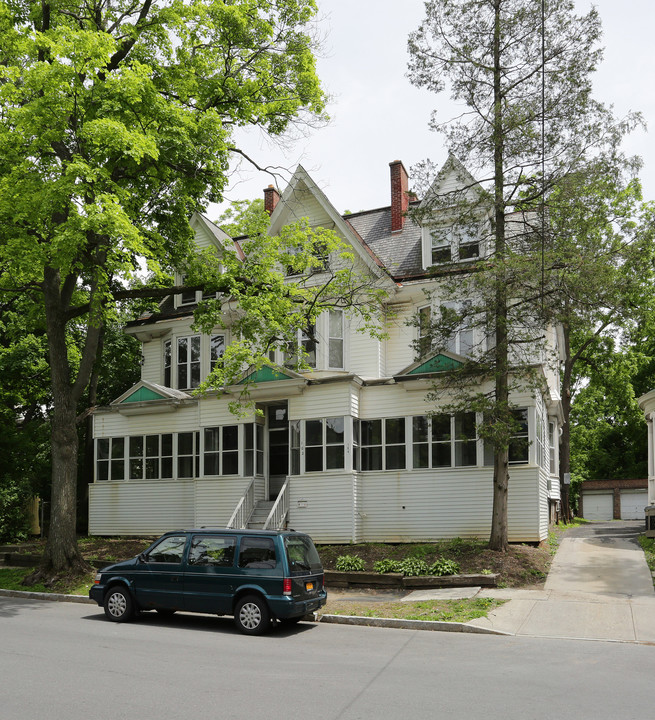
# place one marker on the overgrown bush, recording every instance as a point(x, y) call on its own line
point(444, 567)
point(349, 563)
point(14, 521)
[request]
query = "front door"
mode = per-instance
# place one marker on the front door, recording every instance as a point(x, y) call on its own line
point(278, 447)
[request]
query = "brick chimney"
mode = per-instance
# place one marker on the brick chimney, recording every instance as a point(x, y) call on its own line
point(271, 199)
point(399, 196)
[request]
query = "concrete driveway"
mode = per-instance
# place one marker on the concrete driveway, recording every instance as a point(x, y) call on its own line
point(599, 588)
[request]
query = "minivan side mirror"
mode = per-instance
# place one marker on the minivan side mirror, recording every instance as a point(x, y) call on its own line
point(141, 557)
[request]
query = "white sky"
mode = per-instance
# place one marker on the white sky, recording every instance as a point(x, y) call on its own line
point(377, 116)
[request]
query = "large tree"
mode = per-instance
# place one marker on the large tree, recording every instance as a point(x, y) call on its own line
point(522, 71)
point(600, 273)
point(117, 122)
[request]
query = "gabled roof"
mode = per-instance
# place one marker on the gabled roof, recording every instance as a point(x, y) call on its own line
point(144, 391)
point(455, 173)
point(297, 195)
point(435, 363)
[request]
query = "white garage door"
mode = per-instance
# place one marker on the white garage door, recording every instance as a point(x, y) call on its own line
point(633, 504)
point(598, 506)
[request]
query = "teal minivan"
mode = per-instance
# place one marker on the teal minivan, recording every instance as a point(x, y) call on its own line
point(257, 576)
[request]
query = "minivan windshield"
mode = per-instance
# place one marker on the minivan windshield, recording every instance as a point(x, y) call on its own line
point(302, 554)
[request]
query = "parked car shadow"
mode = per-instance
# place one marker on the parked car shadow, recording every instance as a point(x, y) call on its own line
point(204, 623)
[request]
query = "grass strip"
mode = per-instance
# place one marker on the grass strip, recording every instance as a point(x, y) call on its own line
point(435, 610)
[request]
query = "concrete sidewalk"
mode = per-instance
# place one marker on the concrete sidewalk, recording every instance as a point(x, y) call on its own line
point(599, 587)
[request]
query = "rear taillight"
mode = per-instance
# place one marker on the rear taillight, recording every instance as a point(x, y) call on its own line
point(286, 586)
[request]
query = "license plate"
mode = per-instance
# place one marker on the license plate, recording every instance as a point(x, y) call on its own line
point(309, 586)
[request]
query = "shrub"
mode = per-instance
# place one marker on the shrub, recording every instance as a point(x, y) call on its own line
point(349, 563)
point(413, 566)
point(444, 567)
point(14, 522)
point(386, 566)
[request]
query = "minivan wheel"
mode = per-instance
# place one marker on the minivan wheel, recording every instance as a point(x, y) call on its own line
point(118, 604)
point(251, 615)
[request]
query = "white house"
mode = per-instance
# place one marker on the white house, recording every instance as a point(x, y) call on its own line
point(348, 451)
point(647, 404)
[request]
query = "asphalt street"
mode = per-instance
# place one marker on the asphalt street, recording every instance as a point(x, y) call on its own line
point(65, 661)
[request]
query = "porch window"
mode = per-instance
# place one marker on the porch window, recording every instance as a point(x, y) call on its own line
point(110, 458)
point(254, 449)
point(382, 444)
point(519, 443)
point(444, 440)
point(150, 456)
point(324, 444)
point(188, 454)
point(221, 450)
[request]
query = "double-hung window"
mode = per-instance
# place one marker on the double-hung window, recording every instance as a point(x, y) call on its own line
point(188, 362)
point(216, 350)
point(441, 250)
point(221, 450)
point(335, 339)
point(167, 364)
point(382, 444)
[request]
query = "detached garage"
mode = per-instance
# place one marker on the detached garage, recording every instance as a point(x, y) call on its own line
point(633, 503)
point(613, 499)
point(598, 505)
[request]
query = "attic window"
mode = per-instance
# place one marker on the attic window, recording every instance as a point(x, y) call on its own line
point(454, 243)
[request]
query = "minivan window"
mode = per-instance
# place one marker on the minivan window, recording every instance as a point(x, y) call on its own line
point(301, 553)
point(212, 550)
point(257, 552)
point(169, 550)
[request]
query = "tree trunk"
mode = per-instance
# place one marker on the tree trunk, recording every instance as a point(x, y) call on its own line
point(498, 536)
point(61, 554)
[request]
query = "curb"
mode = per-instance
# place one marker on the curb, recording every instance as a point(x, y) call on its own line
point(55, 597)
point(434, 625)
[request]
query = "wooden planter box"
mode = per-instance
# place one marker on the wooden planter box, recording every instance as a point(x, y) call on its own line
point(396, 581)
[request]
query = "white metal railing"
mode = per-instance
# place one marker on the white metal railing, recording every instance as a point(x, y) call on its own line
point(244, 508)
point(278, 515)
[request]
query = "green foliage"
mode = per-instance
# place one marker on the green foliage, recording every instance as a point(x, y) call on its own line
point(116, 124)
point(412, 567)
point(349, 563)
point(14, 524)
point(648, 546)
point(387, 566)
point(444, 566)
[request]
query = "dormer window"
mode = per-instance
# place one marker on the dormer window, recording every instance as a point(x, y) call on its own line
point(451, 243)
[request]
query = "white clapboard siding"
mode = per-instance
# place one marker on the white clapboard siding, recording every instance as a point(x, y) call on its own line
point(329, 400)
point(140, 508)
point(544, 507)
point(400, 352)
point(113, 424)
point(322, 505)
point(391, 401)
point(364, 353)
point(152, 368)
point(216, 500)
point(213, 411)
point(425, 505)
